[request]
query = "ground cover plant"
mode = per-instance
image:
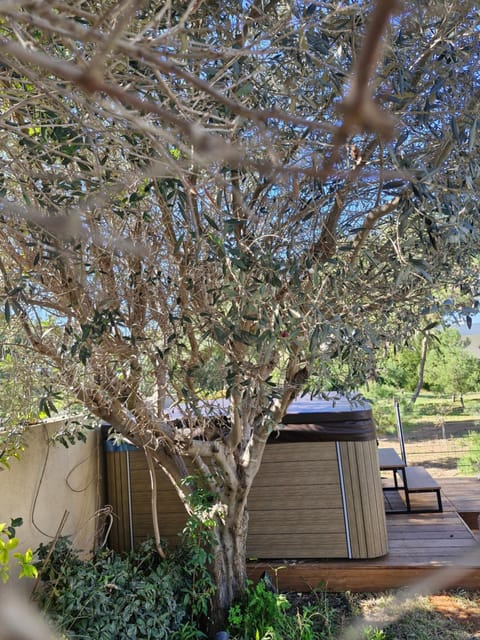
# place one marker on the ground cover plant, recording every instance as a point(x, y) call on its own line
point(136, 595)
point(263, 613)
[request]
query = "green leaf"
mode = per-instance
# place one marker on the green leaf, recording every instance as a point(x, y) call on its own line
point(472, 136)
point(211, 222)
point(455, 130)
point(314, 339)
point(245, 90)
point(28, 571)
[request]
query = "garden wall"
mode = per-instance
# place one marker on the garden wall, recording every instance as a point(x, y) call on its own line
point(50, 480)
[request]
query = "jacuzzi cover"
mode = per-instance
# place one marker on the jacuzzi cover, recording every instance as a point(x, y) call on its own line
point(316, 420)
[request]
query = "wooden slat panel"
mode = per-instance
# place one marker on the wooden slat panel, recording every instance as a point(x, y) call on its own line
point(340, 577)
point(174, 523)
point(430, 533)
point(295, 505)
point(353, 501)
point(141, 478)
point(310, 475)
point(364, 499)
point(419, 545)
point(368, 477)
point(304, 546)
point(165, 507)
point(171, 513)
point(309, 472)
point(284, 497)
point(169, 523)
point(376, 524)
point(117, 496)
point(167, 494)
point(138, 460)
point(462, 493)
point(300, 452)
point(422, 519)
point(296, 522)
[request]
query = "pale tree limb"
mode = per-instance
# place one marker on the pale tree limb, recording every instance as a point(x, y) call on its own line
point(371, 218)
point(124, 12)
point(356, 105)
point(154, 507)
point(20, 619)
point(234, 437)
point(360, 113)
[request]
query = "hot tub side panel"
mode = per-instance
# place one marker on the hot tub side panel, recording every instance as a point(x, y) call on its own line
point(172, 515)
point(129, 494)
point(295, 504)
point(309, 500)
point(117, 493)
point(364, 499)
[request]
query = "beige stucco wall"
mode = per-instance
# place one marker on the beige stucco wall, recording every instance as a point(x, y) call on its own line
point(49, 480)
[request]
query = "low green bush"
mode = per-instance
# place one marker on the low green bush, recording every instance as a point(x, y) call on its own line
point(263, 614)
point(469, 463)
point(137, 596)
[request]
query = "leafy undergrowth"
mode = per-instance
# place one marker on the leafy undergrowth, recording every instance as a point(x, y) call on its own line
point(132, 596)
point(136, 596)
point(264, 614)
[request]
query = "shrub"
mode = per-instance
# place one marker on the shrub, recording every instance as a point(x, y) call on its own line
point(137, 595)
point(469, 463)
point(263, 614)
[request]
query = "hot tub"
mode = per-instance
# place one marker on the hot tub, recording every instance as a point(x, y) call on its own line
point(317, 494)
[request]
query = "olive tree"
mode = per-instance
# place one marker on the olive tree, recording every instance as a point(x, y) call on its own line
point(251, 189)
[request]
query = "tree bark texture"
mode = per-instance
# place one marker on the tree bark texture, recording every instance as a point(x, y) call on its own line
point(229, 565)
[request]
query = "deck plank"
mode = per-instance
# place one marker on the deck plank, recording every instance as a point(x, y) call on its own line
point(462, 493)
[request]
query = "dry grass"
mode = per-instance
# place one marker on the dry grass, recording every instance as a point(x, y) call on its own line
point(453, 615)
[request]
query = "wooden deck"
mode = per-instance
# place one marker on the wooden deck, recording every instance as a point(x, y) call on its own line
point(419, 544)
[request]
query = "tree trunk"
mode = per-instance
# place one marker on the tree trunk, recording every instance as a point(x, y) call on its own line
point(421, 369)
point(229, 568)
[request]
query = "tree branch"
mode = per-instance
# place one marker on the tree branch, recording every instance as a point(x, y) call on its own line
point(154, 507)
point(371, 218)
